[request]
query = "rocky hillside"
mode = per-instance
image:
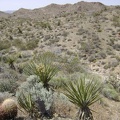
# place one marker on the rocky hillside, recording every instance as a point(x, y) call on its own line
point(83, 37)
point(88, 30)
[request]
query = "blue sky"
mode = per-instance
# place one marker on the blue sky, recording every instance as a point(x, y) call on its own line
point(31, 4)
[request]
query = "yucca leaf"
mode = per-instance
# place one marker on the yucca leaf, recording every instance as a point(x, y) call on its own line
point(83, 93)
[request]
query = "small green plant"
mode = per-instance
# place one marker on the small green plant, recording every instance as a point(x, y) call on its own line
point(8, 84)
point(74, 66)
point(111, 88)
point(83, 94)
point(5, 44)
point(65, 34)
point(111, 93)
point(59, 23)
point(19, 30)
point(46, 25)
point(9, 81)
point(27, 104)
point(30, 45)
point(11, 60)
point(99, 30)
point(116, 21)
point(96, 14)
point(18, 43)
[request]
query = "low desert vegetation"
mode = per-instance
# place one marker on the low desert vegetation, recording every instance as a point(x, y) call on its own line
point(63, 64)
point(37, 91)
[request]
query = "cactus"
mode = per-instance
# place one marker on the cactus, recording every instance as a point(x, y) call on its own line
point(1, 113)
point(8, 109)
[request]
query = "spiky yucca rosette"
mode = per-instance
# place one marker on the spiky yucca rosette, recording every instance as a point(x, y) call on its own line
point(8, 109)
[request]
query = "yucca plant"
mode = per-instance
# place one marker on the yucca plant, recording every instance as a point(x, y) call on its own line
point(42, 67)
point(27, 104)
point(83, 94)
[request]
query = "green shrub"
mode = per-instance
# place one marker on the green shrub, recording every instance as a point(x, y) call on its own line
point(111, 93)
point(59, 23)
point(5, 44)
point(38, 98)
point(46, 25)
point(65, 34)
point(18, 43)
point(11, 60)
point(95, 14)
point(116, 21)
point(99, 30)
point(8, 85)
point(74, 66)
point(114, 81)
point(57, 82)
point(9, 79)
point(92, 58)
point(30, 45)
point(116, 47)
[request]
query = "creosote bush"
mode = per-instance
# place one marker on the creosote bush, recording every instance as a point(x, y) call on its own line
point(109, 92)
point(8, 81)
point(111, 88)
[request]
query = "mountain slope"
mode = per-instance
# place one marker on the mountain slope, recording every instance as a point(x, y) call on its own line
point(3, 14)
point(56, 10)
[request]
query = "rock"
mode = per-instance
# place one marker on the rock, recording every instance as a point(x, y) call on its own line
point(13, 49)
point(27, 54)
